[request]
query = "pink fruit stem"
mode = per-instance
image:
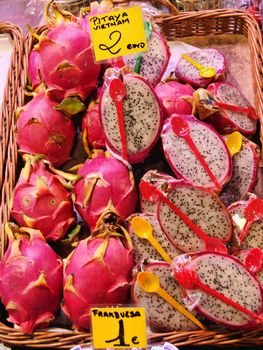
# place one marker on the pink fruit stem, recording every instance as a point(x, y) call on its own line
point(247, 110)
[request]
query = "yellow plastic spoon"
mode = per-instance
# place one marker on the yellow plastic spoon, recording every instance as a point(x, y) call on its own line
point(206, 72)
point(143, 229)
point(234, 143)
point(151, 284)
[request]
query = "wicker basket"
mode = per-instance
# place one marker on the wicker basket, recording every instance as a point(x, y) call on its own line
point(11, 99)
point(182, 25)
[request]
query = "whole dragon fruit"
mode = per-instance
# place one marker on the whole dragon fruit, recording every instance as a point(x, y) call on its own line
point(33, 69)
point(175, 98)
point(31, 279)
point(189, 74)
point(66, 62)
point(141, 114)
point(106, 184)
point(40, 198)
point(98, 272)
point(41, 129)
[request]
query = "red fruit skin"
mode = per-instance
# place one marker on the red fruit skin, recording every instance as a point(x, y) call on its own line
point(30, 304)
point(66, 61)
point(43, 130)
point(33, 67)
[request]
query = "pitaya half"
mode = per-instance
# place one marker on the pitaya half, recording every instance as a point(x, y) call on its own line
point(39, 199)
point(98, 272)
point(201, 206)
point(106, 184)
point(210, 145)
point(30, 279)
point(66, 62)
point(161, 315)
point(223, 119)
point(141, 111)
point(245, 165)
point(142, 247)
point(41, 129)
point(187, 73)
point(175, 98)
point(226, 275)
point(154, 60)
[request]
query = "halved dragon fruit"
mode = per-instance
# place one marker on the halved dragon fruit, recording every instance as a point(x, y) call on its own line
point(154, 60)
point(201, 206)
point(106, 184)
point(41, 129)
point(226, 275)
point(245, 165)
point(40, 198)
point(161, 314)
point(141, 114)
point(98, 272)
point(30, 279)
point(161, 181)
point(142, 247)
point(175, 98)
point(210, 106)
point(188, 73)
point(182, 157)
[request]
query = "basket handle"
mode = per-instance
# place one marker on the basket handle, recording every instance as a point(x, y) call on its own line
point(172, 8)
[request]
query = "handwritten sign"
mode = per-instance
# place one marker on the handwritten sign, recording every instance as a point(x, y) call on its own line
point(118, 33)
point(118, 327)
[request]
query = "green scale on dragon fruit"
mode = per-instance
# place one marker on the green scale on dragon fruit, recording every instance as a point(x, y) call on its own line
point(245, 166)
point(142, 248)
point(201, 206)
point(189, 74)
point(228, 276)
point(254, 237)
point(226, 120)
point(31, 279)
point(41, 129)
point(106, 254)
point(39, 198)
point(142, 115)
point(106, 184)
point(160, 314)
point(185, 163)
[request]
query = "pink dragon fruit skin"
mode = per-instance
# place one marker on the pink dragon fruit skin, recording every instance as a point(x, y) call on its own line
point(31, 277)
point(106, 184)
point(43, 130)
point(175, 98)
point(40, 198)
point(66, 61)
point(98, 272)
point(95, 9)
point(33, 67)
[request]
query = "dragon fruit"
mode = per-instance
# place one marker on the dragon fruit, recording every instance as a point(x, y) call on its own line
point(106, 184)
point(66, 61)
point(160, 314)
point(142, 247)
point(184, 161)
point(245, 168)
point(226, 275)
point(43, 130)
point(189, 74)
point(175, 98)
point(254, 237)
point(162, 182)
point(31, 279)
point(223, 119)
point(33, 69)
point(142, 116)
point(92, 131)
point(253, 260)
point(203, 207)
point(154, 60)
point(98, 272)
point(40, 198)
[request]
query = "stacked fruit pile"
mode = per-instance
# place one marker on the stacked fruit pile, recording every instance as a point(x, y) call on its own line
point(180, 143)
